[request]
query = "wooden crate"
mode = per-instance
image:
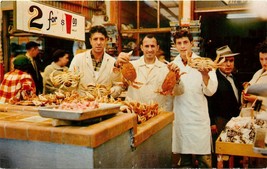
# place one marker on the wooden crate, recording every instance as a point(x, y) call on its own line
point(236, 149)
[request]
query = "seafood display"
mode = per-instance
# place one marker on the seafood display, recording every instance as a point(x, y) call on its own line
point(241, 130)
point(65, 79)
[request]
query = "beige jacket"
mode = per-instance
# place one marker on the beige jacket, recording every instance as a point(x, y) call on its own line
point(82, 63)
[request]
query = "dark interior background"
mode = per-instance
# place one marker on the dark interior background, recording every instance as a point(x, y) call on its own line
point(242, 36)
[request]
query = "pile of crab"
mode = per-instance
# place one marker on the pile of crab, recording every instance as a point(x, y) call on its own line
point(95, 91)
point(65, 80)
point(143, 111)
point(58, 98)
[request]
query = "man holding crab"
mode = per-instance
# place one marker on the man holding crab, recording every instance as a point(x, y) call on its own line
point(150, 75)
point(95, 65)
point(191, 132)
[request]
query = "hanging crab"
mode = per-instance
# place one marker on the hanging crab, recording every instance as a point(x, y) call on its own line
point(129, 74)
point(168, 83)
point(65, 79)
point(204, 62)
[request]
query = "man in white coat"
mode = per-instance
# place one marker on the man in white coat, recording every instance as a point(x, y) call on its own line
point(96, 66)
point(191, 133)
point(151, 73)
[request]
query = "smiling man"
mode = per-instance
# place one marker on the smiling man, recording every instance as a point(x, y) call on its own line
point(95, 65)
point(151, 74)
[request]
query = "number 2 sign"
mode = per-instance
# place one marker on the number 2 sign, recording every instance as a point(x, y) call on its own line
point(38, 18)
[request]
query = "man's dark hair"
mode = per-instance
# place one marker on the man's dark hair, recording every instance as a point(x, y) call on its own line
point(181, 34)
point(262, 47)
point(149, 36)
point(31, 44)
point(59, 53)
point(99, 29)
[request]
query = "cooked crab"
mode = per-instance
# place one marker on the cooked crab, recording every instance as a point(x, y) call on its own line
point(168, 83)
point(65, 79)
point(129, 74)
point(96, 90)
point(204, 62)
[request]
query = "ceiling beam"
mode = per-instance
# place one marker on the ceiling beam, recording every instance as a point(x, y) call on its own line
point(168, 10)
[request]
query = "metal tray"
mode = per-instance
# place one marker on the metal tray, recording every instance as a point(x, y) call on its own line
point(78, 115)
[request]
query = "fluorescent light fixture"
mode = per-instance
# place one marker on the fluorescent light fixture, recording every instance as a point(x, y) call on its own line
point(241, 16)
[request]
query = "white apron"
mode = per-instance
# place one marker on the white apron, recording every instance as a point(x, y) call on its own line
point(191, 132)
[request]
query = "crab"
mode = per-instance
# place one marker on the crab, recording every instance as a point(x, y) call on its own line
point(65, 79)
point(96, 90)
point(129, 74)
point(168, 83)
point(201, 63)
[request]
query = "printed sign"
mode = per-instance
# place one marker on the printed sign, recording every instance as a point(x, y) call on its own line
point(37, 18)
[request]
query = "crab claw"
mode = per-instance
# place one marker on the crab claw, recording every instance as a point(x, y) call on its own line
point(134, 84)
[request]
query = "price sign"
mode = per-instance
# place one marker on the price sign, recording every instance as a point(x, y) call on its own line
point(37, 18)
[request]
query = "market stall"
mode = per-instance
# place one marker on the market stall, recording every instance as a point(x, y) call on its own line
point(240, 138)
point(28, 140)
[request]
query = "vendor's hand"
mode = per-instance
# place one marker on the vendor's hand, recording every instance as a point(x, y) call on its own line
point(245, 85)
point(123, 58)
point(205, 74)
point(205, 71)
point(214, 129)
point(249, 97)
point(176, 69)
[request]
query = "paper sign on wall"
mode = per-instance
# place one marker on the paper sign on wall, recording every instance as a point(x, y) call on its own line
point(37, 18)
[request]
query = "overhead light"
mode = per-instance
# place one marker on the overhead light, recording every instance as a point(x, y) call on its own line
point(241, 15)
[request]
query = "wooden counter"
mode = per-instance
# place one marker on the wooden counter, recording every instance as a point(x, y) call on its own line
point(114, 142)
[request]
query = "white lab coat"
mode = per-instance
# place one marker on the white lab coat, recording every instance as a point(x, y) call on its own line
point(152, 81)
point(191, 132)
point(82, 63)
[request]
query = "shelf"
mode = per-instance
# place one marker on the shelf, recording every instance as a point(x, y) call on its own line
point(147, 30)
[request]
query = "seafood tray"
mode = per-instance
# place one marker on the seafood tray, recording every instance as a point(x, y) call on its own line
point(78, 115)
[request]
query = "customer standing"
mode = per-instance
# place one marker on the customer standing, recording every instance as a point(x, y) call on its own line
point(260, 77)
point(151, 73)
point(225, 103)
point(60, 60)
point(191, 133)
point(96, 66)
point(18, 83)
point(31, 53)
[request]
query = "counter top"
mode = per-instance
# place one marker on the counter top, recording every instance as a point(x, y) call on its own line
point(24, 123)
